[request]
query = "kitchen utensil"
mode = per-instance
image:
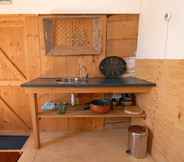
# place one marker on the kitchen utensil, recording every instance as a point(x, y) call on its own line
point(101, 106)
point(48, 106)
point(62, 108)
point(127, 99)
point(113, 67)
point(133, 110)
point(116, 99)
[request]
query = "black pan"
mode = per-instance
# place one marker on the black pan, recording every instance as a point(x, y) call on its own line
point(113, 67)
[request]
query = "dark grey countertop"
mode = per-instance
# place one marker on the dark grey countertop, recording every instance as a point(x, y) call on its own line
point(91, 82)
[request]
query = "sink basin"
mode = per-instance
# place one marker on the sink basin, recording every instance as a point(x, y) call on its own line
point(74, 80)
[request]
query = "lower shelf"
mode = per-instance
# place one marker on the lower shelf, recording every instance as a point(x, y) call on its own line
point(76, 112)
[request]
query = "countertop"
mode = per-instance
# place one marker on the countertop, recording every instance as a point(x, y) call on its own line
point(91, 82)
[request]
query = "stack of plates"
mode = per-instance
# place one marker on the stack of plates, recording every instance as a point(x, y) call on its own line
point(134, 110)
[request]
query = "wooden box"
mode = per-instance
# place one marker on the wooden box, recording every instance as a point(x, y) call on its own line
point(74, 35)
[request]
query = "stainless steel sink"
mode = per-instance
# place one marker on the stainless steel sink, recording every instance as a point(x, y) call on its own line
point(72, 80)
point(82, 79)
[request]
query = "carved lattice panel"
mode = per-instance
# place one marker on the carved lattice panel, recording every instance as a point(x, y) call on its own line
point(74, 35)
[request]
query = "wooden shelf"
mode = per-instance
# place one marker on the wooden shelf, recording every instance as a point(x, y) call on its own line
point(76, 112)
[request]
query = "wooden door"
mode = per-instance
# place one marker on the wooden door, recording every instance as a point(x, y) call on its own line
point(13, 101)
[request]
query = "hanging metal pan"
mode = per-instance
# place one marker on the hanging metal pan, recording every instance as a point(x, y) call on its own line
point(113, 67)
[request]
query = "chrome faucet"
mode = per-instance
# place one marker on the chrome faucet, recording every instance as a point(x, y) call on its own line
point(83, 72)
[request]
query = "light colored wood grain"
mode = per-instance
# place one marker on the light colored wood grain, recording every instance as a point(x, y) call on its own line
point(43, 90)
point(164, 107)
point(60, 90)
point(12, 20)
point(77, 112)
point(17, 99)
point(75, 35)
point(13, 72)
point(121, 47)
point(32, 46)
point(35, 120)
point(69, 66)
point(14, 112)
point(122, 35)
point(122, 27)
point(81, 147)
point(12, 52)
point(21, 39)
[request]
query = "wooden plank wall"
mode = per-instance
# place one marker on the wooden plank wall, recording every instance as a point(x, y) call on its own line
point(13, 71)
point(23, 58)
point(122, 33)
point(164, 107)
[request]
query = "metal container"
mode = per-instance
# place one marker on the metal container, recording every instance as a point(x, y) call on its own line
point(101, 106)
point(137, 141)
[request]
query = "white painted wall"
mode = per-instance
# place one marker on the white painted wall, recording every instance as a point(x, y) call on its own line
point(154, 42)
point(71, 6)
point(175, 45)
point(152, 29)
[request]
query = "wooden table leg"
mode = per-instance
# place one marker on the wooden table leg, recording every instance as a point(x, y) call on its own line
point(35, 120)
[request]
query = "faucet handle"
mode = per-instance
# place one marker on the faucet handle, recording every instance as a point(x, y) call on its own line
point(87, 76)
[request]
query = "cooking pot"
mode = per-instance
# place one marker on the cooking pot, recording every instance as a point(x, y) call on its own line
point(101, 106)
